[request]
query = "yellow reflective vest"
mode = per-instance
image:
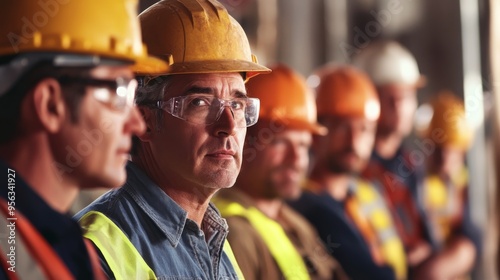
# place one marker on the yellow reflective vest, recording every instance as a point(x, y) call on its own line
point(120, 254)
point(444, 202)
point(373, 207)
point(282, 249)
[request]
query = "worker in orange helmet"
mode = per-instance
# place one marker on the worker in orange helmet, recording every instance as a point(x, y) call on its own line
point(269, 239)
point(349, 213)
point(445, 187)
point(67, 117)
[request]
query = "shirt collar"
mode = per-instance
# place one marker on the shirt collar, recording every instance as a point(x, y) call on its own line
point(170, 218)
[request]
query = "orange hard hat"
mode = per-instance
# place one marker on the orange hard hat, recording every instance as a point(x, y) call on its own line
point(346, 92)
point(448, 115)
point(198, 36)
point(285, 98)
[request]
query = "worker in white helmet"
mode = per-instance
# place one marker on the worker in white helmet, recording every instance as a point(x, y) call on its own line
point(398, 170)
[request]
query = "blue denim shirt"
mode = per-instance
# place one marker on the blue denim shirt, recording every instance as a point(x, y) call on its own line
point(172, 245)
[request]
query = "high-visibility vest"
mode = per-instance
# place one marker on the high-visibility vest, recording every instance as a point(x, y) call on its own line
point(43, 261)
point(371, 216)
point(120, 254)
point(285, 254)
point(399, 199)
point(444, 202)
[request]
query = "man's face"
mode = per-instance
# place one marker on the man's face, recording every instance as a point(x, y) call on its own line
point(279, 163)
point(200, 156)
point(348, 145)
point(95, 148)
point(397, 107)
point(447, 161)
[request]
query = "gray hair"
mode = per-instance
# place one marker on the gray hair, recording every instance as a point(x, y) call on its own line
point(151, 90)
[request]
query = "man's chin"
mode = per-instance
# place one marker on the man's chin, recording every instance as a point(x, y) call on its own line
point(291, 195)
point(288, 191)
point(108, 182)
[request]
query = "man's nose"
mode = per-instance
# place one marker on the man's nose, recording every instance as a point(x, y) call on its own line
point(225, 123)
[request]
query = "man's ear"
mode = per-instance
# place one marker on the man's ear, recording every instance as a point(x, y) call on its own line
point(49, 104)
point(150, 120)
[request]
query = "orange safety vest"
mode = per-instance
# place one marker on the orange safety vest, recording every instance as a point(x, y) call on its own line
point(46, 263)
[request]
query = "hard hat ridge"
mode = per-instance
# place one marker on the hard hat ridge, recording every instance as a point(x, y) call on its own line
point(198, 36)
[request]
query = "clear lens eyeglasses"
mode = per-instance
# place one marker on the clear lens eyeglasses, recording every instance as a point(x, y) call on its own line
point(206, 109)
point(119, 94)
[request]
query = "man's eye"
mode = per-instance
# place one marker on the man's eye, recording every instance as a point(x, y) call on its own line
point(199, 101)
point(238, 104)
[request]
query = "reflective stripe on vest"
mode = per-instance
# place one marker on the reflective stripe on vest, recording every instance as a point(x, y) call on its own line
point(29, 243)
point(120, 254)
point(443, 203)
point(390, 245)
point(400, 201)
point(22, 264)
point(229, 252)
point(283, 251)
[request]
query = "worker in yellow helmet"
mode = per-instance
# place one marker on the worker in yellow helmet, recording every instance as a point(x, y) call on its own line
point(445, 187)
point(161, 224)
point(349, 213)
point(67, 87)
point(269, 239)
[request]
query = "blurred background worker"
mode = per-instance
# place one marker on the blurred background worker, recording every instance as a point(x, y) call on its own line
point(398, 170)
point(349, 213)
point(395, 73)
point(445, 186)
point(196, 117)
point(61, 86)
point(269, 239)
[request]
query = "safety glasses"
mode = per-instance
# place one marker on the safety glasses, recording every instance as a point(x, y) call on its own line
point(206, 109)
point(118, 94)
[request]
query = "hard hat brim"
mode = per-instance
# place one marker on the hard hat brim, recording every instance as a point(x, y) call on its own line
point(297, 124)
point(150, 65)
point(139, 63)
point(229, 66)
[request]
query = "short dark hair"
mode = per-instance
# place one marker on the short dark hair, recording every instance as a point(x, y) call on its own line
point(10, 102)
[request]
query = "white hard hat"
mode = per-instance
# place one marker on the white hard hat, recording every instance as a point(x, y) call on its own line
point(387, 62)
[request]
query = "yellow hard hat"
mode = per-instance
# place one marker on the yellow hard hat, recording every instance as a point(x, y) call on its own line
point(286, 99)
point(107, 29)
point(388, 62)
point(448, 116)
point(198, 36)
point(346, 92)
